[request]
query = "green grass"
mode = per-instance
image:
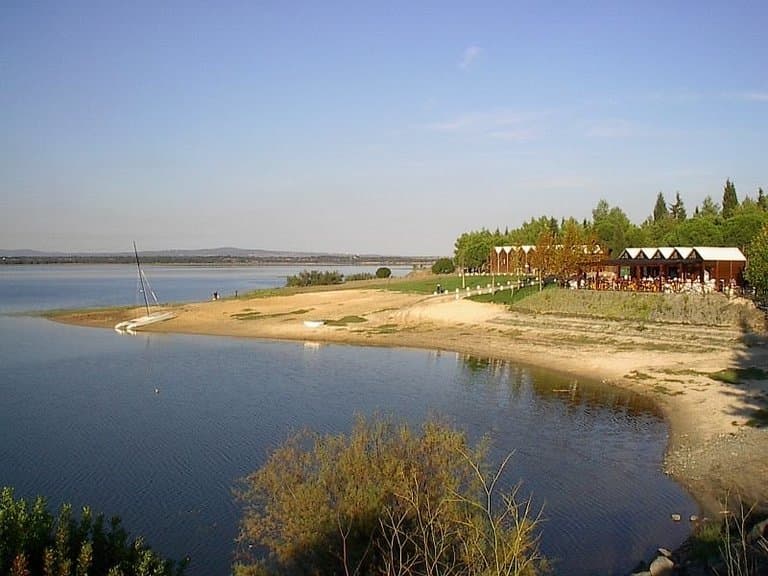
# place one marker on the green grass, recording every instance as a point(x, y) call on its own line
point(706, 542)
point(449, 282)
point(661, 389)
point(738, 375)
point(384, 329)
point(509, 297)
point(255, 315)
point(346, 320)
point(247, 315)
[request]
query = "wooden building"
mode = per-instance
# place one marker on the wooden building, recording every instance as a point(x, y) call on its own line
point(718, 266)
point(522, 259)
point(510, 259)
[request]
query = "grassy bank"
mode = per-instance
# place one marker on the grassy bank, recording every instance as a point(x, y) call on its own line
point(694, 309)
point(448, 282)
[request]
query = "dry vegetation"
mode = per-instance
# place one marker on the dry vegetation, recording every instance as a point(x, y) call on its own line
point(701, 310)
point(384, 500)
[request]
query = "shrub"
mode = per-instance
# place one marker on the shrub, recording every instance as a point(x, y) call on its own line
point(443, 266)
point(383, 272)
point(315, 278)
point(360, 276)
point(383, 500)
point(34, 543)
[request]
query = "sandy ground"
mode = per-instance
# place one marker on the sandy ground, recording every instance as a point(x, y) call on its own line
point(712, 451)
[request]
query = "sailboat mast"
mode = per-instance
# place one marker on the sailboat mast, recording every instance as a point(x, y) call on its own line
point(141, 278)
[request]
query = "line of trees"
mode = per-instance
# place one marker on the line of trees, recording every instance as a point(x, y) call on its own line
point(315, 278)
point(730, 223)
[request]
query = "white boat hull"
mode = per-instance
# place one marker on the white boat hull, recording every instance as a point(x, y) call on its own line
point(130, 326)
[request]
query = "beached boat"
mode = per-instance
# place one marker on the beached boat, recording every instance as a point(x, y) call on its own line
point(313, 323)
point(151, 317)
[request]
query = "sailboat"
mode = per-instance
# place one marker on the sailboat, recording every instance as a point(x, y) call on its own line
point(150, 317)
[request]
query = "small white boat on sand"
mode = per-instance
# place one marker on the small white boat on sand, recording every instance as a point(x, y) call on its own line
point(314, 323)
point(130, 326)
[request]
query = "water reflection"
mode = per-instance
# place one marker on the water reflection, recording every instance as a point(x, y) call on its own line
point(571, 390)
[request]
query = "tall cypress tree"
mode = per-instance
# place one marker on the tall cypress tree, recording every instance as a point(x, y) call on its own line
point(677, 209)
point(762, 201)
point(730, 201)
point(660, 209)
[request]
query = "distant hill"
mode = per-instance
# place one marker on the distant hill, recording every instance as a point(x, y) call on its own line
point(224, 255)
point(224, 251)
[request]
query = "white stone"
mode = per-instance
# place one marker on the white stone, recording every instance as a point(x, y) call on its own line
point(661, 566)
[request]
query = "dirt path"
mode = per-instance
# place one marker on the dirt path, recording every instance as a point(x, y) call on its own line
point(712, 450)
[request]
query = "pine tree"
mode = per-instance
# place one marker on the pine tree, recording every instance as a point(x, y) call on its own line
point(709, 208)
point(660, 210)
point(762, 201)
point(677, 209)
point(730, 200)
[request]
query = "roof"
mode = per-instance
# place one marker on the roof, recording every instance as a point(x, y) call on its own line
point(710, 253)
point(706, 253)
point(629, 253)
point(664, 252)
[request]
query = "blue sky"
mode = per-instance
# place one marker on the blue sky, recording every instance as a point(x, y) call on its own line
point(366, 127)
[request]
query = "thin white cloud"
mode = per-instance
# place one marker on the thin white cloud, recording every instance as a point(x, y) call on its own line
point(478, 122)
point(454, 125)
point(470, 54)
point(612, 128)
point(754, 96)
point(506, 125)
point(520, 135)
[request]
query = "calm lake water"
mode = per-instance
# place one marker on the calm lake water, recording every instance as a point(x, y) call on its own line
point(80, 421)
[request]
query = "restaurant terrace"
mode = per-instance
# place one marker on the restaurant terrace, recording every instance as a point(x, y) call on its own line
point(646, 269)
point(678, 268)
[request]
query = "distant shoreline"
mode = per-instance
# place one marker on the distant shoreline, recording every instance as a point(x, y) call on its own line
point(217, 261)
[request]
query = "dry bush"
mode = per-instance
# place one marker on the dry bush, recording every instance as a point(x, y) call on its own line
point(384, 500)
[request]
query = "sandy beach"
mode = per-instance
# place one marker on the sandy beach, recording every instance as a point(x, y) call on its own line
point(712, 451)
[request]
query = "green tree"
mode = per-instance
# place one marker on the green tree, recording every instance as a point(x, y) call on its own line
point(677, 210)
point(612, 227)
point(660, 208)
point(709, 209)
point(742, 228)
point(472, 249)
point(694, 232)
point(443, 266)
point(730, 200)
point(383, 272)
point(757, 262)
point(762, 200)
point(530, 231)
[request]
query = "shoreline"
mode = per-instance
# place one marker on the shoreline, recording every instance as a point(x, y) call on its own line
point(711, 451)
